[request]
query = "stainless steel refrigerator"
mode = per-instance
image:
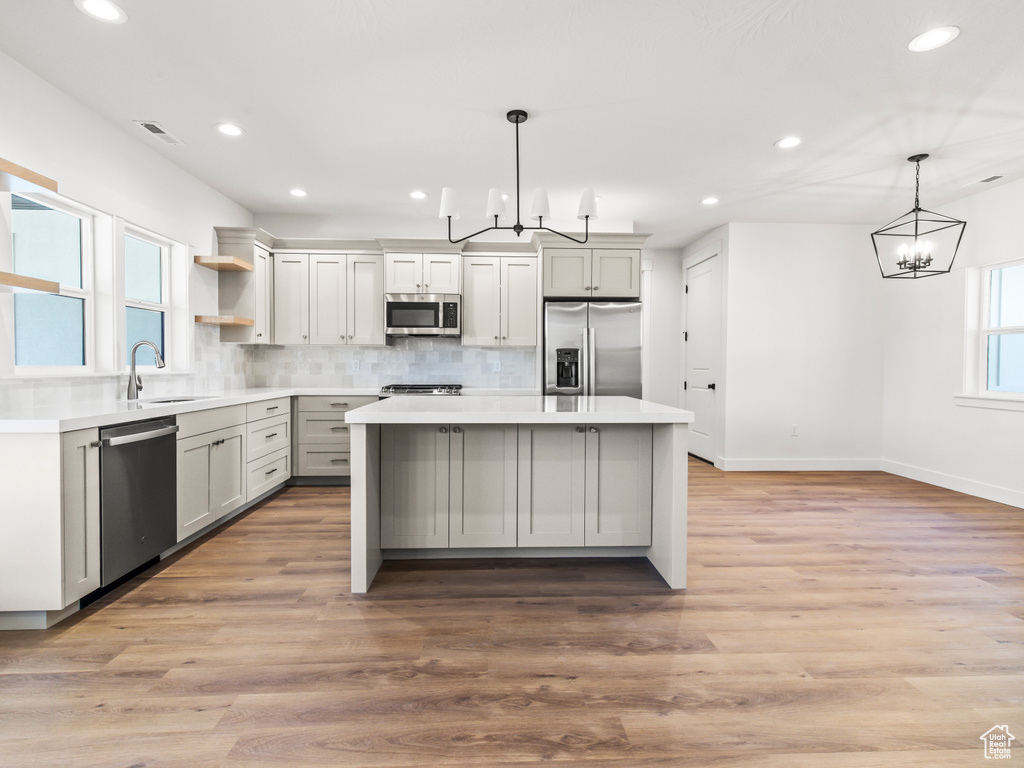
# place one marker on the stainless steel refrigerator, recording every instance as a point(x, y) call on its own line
point(592, 348)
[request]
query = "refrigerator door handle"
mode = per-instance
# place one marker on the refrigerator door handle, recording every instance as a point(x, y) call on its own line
point(584, 362)
point(591, 362)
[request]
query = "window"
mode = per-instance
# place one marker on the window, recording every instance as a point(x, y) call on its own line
point(145, 293)
point(1003, 329)
point(51, 243)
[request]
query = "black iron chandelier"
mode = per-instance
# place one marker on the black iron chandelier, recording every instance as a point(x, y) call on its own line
point(539, 210)
point(919, 243)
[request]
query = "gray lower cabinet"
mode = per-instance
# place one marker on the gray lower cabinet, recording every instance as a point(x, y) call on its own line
point(552, 485)
point(495, 485)
point(211, 477)
point(482, 486)
point(414, 495)
point(619, 477)
point(322, 436)
point(80, 512)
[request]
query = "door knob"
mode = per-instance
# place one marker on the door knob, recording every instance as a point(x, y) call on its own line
point(711, 386)
point(443, 430)
point(593, 430)
point(579, 429)
point(457, 430)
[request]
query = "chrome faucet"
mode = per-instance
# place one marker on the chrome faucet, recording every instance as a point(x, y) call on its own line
point(134, 380)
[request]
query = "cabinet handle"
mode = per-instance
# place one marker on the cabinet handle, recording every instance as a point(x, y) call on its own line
point(444, 430)
point(417, 285)
point(272, 408)
point(457, 430)
point(596, 288)
point(495, 338)
point(272, 434)
point(593, 430)
point(333, 405)
point(335, 429)
point(350, 336)
point(585, 288)
point(504, 338)
point(258, 335)
point(336, 460)
point(270, 471)
point(303, 335)
point(217, 442)
point(579, 429)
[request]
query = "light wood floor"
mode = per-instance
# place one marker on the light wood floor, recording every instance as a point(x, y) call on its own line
point(855, 620)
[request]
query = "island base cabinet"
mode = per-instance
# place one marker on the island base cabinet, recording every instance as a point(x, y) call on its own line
point(211, 477)
point(482, 479)
point(619, 485)
point(551, 485)
point(414, 494)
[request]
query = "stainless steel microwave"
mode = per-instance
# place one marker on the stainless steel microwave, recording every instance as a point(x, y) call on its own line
point(422, 314)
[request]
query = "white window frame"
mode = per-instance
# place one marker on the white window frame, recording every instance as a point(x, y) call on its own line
point(978, 331)
point(88, 218)
point(165, 291)
point(103, 272)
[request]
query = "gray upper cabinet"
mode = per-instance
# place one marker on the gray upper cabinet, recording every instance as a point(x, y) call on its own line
point(592, 273)
point(423, 272)
point(499, 301)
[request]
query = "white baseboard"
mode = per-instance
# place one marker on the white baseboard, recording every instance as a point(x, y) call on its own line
point(799, 465)
point(954, 483)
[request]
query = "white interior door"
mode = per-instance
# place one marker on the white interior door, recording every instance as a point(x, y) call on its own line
point(702, 354)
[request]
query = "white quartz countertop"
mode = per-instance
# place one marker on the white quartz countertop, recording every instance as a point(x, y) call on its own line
point(517, 410)
point(85, 414)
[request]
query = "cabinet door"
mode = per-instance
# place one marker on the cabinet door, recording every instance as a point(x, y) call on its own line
point(327, 299)
point(616, 273)
point(414, 500)
point(518, 302)
point(227, 471)
point(567, 271)
point(194, 484)
point(482, 507)
point(261, 287)
point(403, 272)
point(552, 466)
point(619, 478)
point(365, 299)
point(80, 513)
point(481, 301)
point(291, 298)
point(442, 273)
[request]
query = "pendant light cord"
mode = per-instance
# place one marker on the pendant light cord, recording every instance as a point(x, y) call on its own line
point(917, 183)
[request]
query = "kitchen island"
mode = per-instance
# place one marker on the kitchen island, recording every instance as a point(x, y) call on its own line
point(525, 476)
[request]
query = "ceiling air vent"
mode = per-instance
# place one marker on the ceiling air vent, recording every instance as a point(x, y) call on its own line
point(990, 178)
point(158, 130)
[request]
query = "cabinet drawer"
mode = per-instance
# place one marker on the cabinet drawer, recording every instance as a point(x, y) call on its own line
point(268, 435)
point(264, 473)
point(279, 406)
point(323, 428)
point(198, 422)
point(323, 460)
point(334, 403)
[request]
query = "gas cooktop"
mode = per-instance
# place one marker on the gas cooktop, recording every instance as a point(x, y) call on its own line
point(420, 389)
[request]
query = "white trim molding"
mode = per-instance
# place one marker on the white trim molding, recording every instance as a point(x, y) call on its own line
point(952, 482)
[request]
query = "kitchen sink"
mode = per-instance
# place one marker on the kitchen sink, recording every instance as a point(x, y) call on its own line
point(182, 399)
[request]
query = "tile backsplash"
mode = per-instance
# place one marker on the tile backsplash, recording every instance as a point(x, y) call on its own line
point(220, 367)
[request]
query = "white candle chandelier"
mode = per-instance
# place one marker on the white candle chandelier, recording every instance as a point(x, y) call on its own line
point(538, 211)
point(919, 243)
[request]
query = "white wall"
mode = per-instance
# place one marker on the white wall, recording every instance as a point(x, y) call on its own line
point(803, 346)
point(103, 166)
point(927, 435)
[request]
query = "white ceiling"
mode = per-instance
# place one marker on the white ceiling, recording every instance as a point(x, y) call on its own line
point(655, 103)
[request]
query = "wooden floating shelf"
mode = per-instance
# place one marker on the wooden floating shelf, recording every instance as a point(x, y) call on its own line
point(16, 178)
point(224, 320)
point(224, 263)
point(29, 283)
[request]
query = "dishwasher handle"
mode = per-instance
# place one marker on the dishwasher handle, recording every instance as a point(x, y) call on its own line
point(139, 436)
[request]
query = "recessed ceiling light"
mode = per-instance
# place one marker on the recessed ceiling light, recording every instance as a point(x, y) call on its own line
point(418, 195)
point(933, 38)
point(789, 142)
point(299, 192)
point(104, 10)
point(230, 129)
point(709, 201)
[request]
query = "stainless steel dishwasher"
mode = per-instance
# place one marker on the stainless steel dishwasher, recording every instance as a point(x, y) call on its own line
point(138, 495)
